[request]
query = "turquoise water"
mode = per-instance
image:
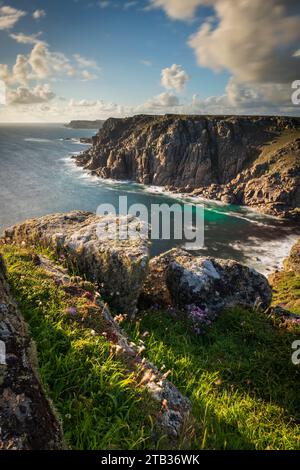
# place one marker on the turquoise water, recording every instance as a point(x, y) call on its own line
point(38, 176)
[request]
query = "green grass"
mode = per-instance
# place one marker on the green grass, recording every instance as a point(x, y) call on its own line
point(242, 384)
point(286, 290)
point(95, 396)
point(241, 381)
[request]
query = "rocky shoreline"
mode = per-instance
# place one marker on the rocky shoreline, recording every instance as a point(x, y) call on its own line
point(252, 161)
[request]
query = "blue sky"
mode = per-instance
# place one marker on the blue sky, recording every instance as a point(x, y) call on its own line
point(125, 45)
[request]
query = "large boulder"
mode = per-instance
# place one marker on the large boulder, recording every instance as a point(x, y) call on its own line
point(26, 415)
point(181, 279)
point(120, 265)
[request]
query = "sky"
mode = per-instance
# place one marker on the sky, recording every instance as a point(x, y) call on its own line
point(85, 59)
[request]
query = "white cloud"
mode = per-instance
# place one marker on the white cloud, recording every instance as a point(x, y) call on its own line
point(22, 38)
point(86, 75)
point(38, 14)
point(4, 73)
point(163, 100)
point(254, 40)
point(40, 61)
point(41, 64)
point(84, 62)
point(246, 98)
point(20, 70)
point(9, 16)
point(179, 9)
point(82, 103)
point(24, 95)
point(174, 77)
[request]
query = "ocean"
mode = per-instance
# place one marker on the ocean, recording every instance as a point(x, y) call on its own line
point(38, 177)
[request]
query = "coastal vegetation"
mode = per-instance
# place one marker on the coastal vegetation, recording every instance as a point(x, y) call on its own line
point(238, 376)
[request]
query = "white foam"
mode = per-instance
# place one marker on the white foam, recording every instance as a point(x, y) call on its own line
point(265, 256)
point(35, 139)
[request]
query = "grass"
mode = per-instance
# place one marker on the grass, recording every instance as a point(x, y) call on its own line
point(239, 376)
point(286, 290)
point(95, 396)
point(242, 384)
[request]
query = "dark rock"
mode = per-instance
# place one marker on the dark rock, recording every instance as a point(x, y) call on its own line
point(181, 279)
point(221, 158)
point(27, 418)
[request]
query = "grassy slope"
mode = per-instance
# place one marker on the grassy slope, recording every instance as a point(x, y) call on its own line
point(239, 377)
point(97, 399)
point(286, 290)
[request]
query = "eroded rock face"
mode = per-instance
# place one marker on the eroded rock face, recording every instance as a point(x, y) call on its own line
point(26, 416)
point(120, 265)
point(181, 279)
point(292, 263)
point(271, 186)
point(219, 157)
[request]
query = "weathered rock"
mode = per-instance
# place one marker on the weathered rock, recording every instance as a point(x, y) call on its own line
point(120, 265)
point(292, 263)
point(236, 159)
point(181, 279)
point(26, 415)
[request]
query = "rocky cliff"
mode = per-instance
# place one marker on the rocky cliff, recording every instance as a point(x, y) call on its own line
point(26, 415)
point(241, 160)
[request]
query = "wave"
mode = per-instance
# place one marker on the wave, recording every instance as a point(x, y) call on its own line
point(36, 139)
point(265, 256)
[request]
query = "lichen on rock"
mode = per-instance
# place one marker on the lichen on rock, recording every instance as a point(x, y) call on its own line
point(119, 264)
point(181, 279)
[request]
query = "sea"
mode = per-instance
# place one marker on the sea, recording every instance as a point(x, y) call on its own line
point(38, 176)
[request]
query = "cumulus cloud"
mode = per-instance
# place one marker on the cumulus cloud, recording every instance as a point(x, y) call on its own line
point(41, 64)
point(24, 95)
point(9, 16)
point(22, 38)
point(40, 61)
point(246, 98)
point(179, 9)
point(163, 100)
point(38, 14)
point(174, 77)
point(20, 70)
point(256, 41)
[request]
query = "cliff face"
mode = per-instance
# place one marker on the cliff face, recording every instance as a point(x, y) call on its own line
point(27, 418)
point(207, 154)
